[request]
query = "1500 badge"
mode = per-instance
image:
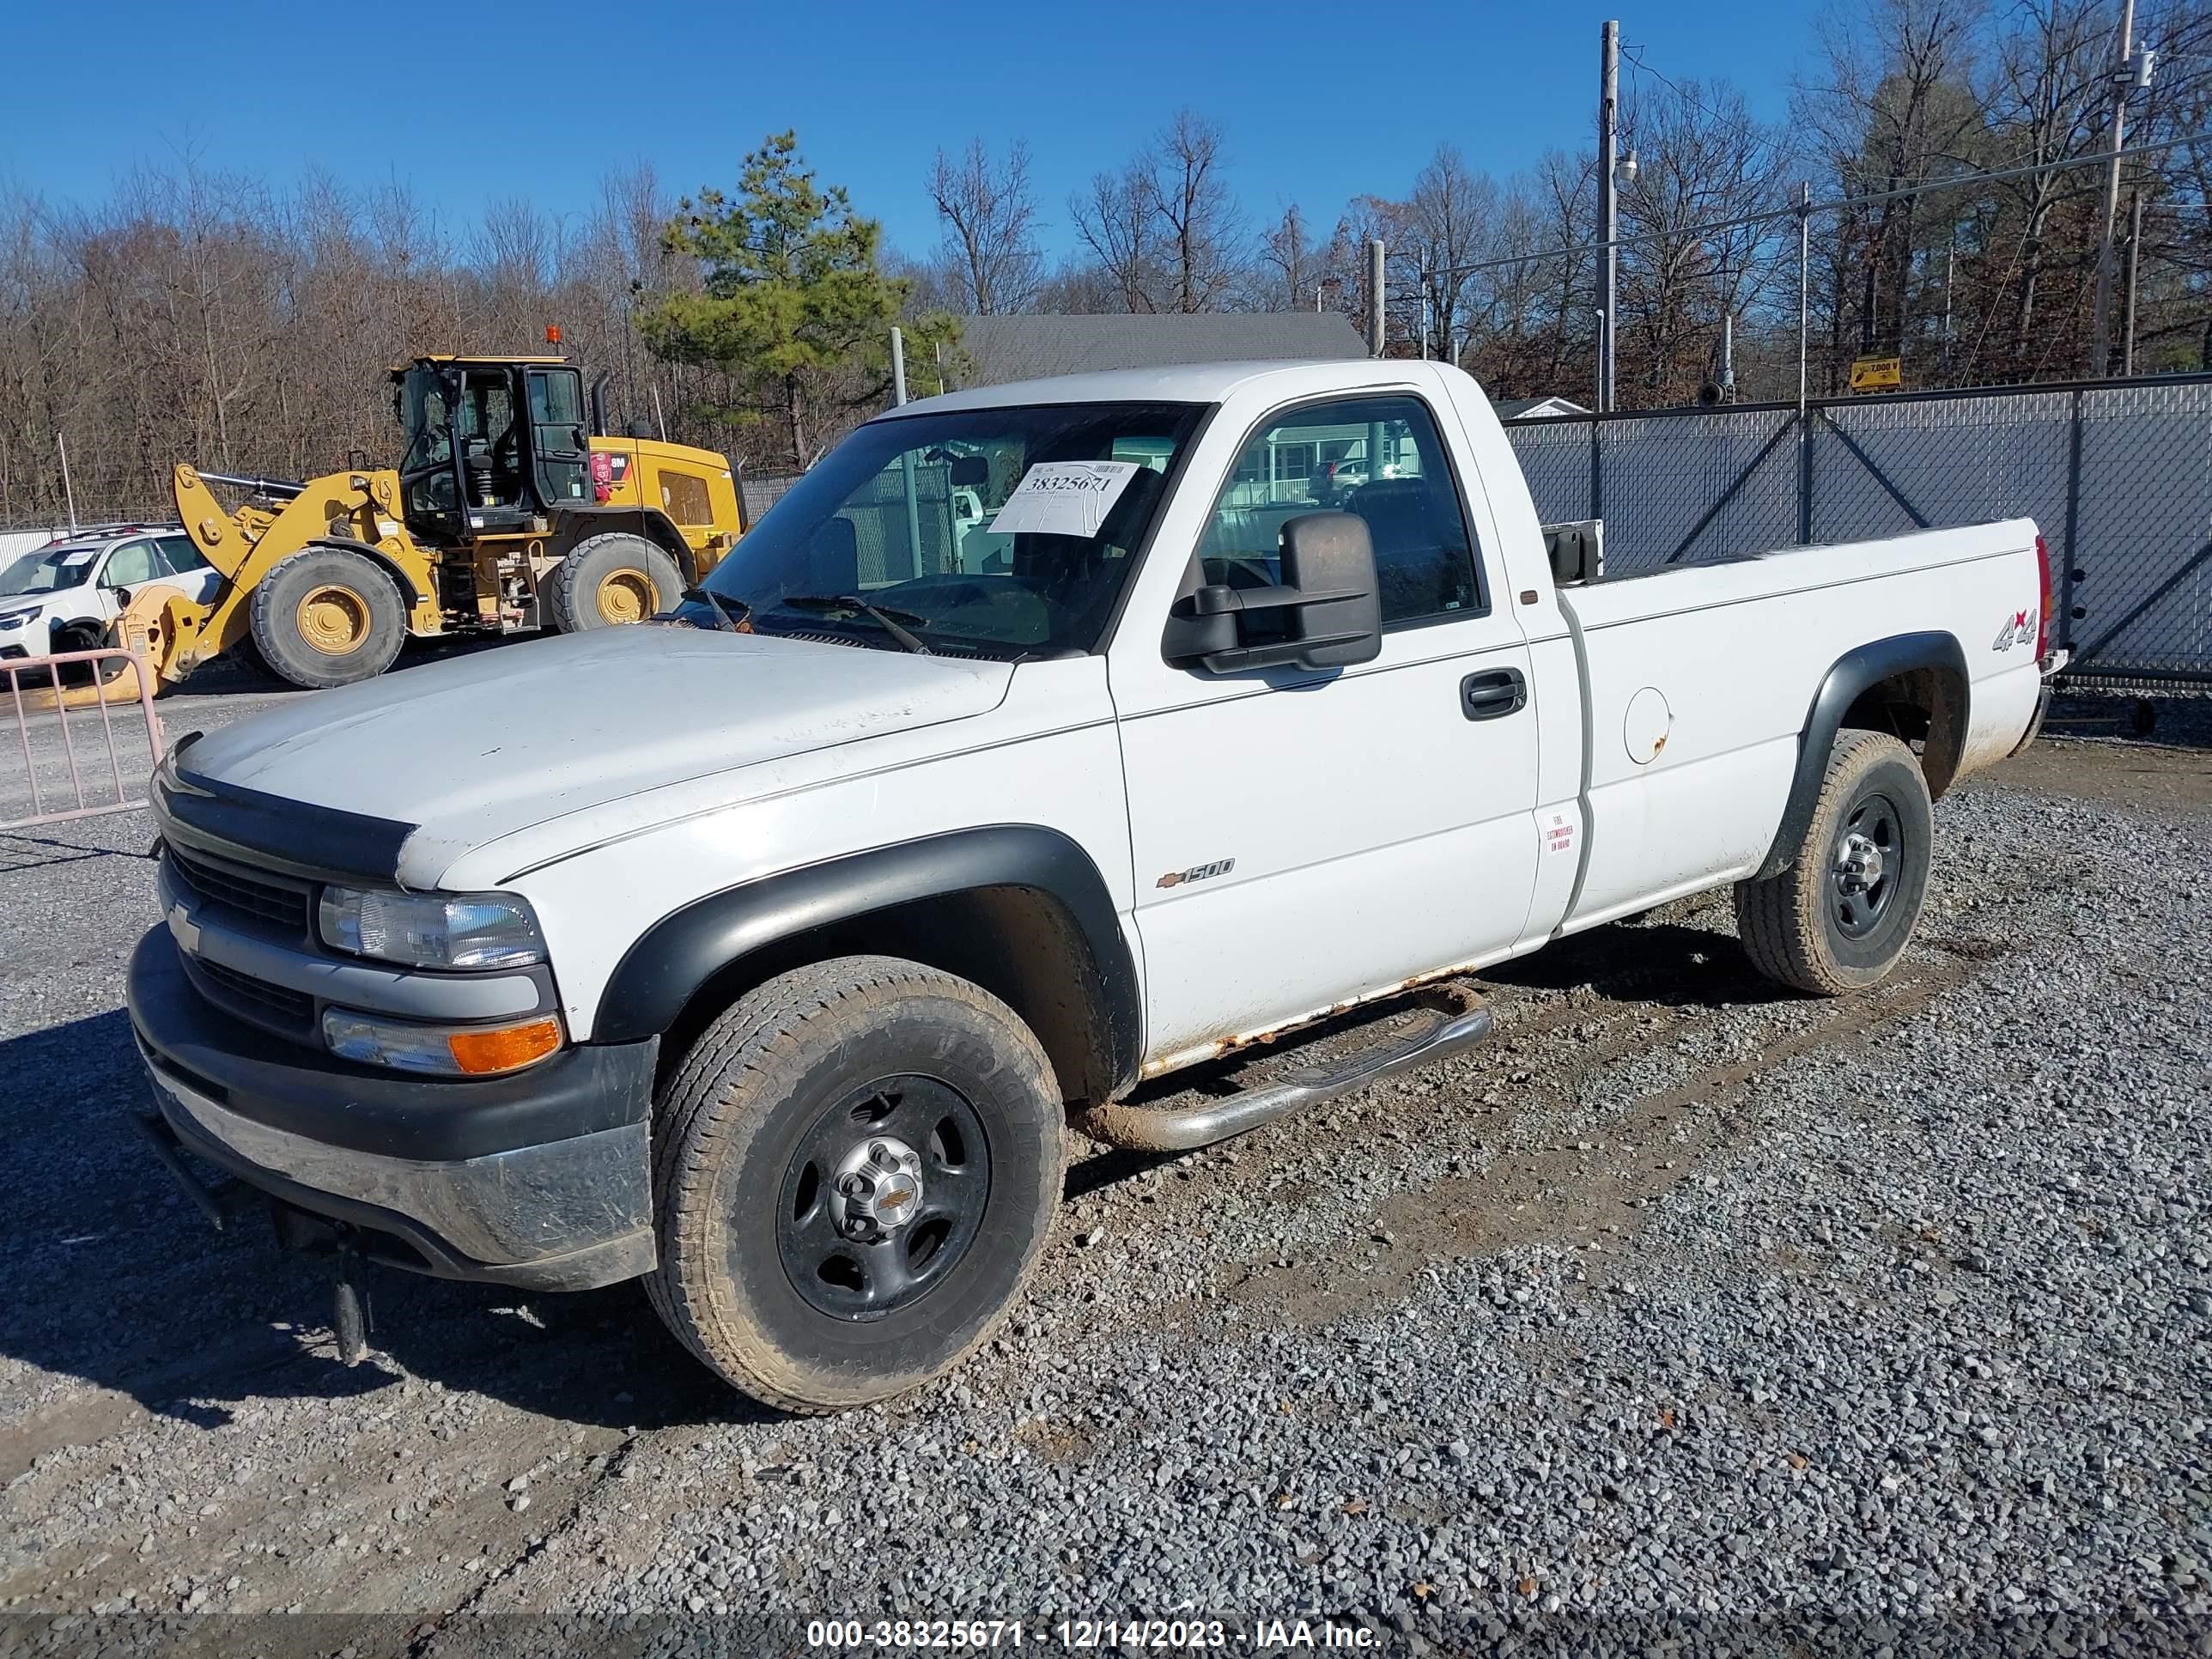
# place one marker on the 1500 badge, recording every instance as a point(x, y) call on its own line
point(2019, 629)
point(1197, 872)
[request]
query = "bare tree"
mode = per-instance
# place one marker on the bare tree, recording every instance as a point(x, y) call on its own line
point(1290, 266)
point(1686, 264)
point(1114, 217)
point(1164, 231)
point(1198, 220)
point(1442, 225)
point(989, 250)
point(1890, 105)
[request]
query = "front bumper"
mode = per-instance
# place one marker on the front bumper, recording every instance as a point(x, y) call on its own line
point(540, 1179)
point(28, 639)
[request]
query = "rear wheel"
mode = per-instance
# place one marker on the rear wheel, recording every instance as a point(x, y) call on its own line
point(324, 617)
point(856, 1169)
point(608, 579)
point(1840, 916)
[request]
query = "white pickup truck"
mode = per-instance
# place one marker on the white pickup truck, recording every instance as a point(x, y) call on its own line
point(767, 953)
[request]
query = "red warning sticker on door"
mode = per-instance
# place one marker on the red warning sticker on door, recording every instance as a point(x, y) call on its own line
point(1559, 834)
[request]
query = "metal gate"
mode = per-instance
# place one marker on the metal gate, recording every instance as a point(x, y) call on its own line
point(2119, 475)
point(76, 760)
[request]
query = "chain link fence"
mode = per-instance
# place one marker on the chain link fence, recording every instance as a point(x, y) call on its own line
point(2117, 475)
point(760, 494)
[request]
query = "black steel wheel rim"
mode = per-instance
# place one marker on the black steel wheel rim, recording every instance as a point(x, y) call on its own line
point(923, 1135)
point(1865, 866)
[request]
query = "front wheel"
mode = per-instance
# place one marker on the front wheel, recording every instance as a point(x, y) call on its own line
point(1838, 920)
point(855, 1167)
point(611, 579)
point(325, 616)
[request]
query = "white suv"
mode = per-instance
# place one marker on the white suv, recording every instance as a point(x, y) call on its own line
point(62, 597)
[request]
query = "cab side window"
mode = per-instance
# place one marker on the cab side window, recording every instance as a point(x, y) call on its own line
point(133, 562)
point(180, 557)
point(1378, 458)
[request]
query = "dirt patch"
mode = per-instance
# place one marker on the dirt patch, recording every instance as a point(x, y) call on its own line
point(2170, 782)
point(1596, 1187)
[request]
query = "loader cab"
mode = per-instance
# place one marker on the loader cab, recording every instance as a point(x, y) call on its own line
point(494, 445)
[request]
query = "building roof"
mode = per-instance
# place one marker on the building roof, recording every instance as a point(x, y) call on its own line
point(1534, 409)
point(1038, 346)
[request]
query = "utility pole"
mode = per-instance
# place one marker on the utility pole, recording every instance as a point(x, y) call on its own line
point(1950, 269)
point(1376, 282)
point(906, 459)
point(2134, 268)
point(2100, 341)
point(68, 489)
point(1608, 213)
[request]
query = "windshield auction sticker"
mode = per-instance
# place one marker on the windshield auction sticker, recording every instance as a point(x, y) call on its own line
point(1064, 498)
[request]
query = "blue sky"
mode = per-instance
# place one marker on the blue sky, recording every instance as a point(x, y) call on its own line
point(1319, 103)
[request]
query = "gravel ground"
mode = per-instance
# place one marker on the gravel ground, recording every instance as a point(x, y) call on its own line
point(1680, 1316)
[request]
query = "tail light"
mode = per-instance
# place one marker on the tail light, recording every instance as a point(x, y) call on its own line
point(2043, 617)
point(602, 477)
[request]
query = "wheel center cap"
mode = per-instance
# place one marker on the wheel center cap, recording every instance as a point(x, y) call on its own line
point(878, 1189)
point(1858, 864)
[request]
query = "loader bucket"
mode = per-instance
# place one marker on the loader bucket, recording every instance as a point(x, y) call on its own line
point(148, 629)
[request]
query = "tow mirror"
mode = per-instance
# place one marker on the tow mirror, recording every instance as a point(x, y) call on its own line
point(1325, 613)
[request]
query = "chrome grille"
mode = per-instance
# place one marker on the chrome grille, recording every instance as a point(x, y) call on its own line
point(235, 887)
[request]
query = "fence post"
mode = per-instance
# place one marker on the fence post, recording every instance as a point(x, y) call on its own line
point(1804, 476)
point(1597, 472)
point(2064, 597)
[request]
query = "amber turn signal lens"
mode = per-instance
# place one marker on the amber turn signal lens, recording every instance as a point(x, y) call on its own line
point(502, 1050)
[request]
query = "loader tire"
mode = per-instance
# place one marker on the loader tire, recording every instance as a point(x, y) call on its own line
point(611, 579)
point(1839, 917)
point(856, 1169)
point(324, 617)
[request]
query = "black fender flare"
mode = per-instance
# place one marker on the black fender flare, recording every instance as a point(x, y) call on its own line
point(673, 960)
point(579, 524)
point(1853, 674)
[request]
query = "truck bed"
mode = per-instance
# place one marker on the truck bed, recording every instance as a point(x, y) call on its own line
point(1718, 663)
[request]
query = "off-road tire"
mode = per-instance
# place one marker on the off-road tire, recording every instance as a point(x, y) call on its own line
point(1789, 923)
point(762, 1079)
point(285, 647)
point(571, 593)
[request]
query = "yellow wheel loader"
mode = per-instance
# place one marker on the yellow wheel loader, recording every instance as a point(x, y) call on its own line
point(504, 515)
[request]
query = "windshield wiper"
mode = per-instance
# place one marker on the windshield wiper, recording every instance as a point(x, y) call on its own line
point(729, 614)
point(889, 621)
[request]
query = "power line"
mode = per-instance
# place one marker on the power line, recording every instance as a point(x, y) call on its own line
point(1769, 215)
point(1689, 97)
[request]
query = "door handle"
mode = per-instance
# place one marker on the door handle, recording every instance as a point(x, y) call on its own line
point(1493, 694)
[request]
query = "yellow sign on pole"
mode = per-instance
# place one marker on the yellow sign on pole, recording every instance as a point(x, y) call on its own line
point(1877, 374)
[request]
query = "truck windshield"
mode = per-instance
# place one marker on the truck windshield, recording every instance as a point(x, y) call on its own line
point(49, 570)
point(991, 532)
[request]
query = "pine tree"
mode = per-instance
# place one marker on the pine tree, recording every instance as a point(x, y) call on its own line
point(795, 310)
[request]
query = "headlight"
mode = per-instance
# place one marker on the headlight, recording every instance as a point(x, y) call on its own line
point(17, 619)
point(446, 1050)
point(431, 930)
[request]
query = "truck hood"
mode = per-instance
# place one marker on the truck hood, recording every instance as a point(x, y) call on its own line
point(453, 755)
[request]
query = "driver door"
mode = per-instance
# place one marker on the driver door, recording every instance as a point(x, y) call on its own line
point(557, 443)
point(1304, 838)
